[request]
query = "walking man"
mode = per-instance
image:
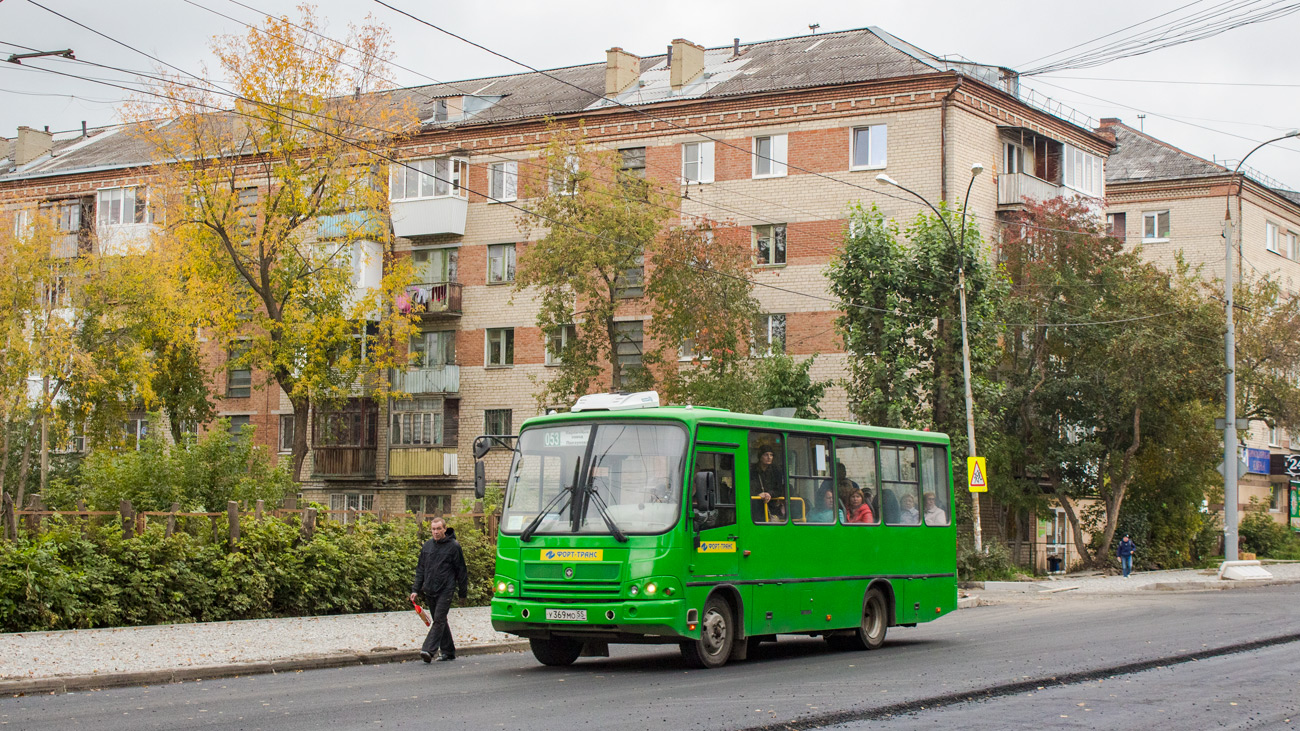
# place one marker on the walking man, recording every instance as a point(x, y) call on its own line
point(1125, 553)
point(440, 572)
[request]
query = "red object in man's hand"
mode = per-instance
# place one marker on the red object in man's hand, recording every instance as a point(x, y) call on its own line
point(423, 614)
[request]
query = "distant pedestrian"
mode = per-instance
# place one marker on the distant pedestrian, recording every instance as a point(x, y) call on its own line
point(440, 571)
point(1125, 554)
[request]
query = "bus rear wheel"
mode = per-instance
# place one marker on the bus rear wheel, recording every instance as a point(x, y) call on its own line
point(555, 652)
point(717, 634)
point(870, 634)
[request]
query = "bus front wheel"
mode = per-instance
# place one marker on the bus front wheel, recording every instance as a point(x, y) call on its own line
point(870, 635)
point(555, 652)
point(717, 634)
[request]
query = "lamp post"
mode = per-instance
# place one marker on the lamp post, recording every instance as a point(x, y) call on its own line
point(975, 170)
point(1230, 359)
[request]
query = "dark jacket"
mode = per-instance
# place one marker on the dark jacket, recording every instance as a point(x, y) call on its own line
point(1126, 548)
point(441, 566)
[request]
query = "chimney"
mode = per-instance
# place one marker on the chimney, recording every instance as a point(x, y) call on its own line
point(621, 70)
point(32, 144)
point(686, 63)
point(735, 47)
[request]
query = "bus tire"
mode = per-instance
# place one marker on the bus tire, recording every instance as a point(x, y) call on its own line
point(717, 634)
point(555, 652)
point(870, 634)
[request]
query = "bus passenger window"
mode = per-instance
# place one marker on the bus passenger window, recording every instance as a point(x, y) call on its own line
point(899, 483)
point(810, 480)
point(934, 486)
point(723, 467)
point(855, 481)
point(767, 496)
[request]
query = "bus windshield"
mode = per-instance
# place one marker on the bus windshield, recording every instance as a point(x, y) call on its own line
point(581, 478)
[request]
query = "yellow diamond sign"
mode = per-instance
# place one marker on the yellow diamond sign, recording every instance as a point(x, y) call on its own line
point(977, 474)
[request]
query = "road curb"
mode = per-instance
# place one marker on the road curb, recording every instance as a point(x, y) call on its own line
point(68, 683)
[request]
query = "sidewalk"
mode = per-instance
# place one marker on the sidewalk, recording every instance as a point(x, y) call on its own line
point(994, 592)
point(38, 662)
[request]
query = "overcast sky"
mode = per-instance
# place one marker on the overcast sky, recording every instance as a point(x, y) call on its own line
point(1214, 121)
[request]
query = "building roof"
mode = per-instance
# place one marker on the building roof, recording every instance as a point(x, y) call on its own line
point(843, 57)
point(1141, 157)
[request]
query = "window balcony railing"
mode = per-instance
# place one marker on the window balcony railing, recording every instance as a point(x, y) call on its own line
point(430, 216)
point(435, 298)
point(124, 239)
point(351, 225)
point(65, 246)
point(422, 462)
point(343, 461)
point(431, 379)
point(1015, 188)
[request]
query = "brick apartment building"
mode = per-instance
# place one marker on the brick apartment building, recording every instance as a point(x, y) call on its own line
point(1172, 202)
point(829, 111)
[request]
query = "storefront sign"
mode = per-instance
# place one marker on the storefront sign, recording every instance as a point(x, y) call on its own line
point(1257, 461)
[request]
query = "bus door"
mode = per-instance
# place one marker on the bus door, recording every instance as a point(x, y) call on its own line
point(714, 560)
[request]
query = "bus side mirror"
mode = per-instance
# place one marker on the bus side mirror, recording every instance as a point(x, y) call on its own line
point(481, 447)
point(706, 492)
point(480, 480)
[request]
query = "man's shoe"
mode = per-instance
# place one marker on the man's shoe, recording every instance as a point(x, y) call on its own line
point(446, 658)
point(426, 657)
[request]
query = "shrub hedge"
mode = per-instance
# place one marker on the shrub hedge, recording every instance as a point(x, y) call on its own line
point(79, 576)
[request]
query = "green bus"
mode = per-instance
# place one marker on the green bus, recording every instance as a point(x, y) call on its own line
point(628, 522)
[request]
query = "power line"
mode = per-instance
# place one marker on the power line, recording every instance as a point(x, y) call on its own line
point(1173, 81)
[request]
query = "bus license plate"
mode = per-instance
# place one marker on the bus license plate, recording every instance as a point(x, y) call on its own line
point(566, 615)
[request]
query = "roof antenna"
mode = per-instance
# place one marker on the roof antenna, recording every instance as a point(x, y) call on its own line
point(813, 27)
point(1142, 124)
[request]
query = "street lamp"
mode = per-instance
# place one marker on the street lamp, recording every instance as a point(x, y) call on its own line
point(975, 170)
point(1230, 357)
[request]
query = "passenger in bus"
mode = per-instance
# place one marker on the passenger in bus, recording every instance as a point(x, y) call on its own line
point(934, 515)
point(825, 510)
point(859, 511)
point(767, 481)
point(908, 515)
point(890, 507)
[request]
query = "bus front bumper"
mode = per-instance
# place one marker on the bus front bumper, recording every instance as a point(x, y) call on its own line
point(656, 621)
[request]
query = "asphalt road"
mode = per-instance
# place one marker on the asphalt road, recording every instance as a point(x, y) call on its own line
point(997, 657)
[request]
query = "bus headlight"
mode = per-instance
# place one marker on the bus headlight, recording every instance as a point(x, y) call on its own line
point(634, 590)
point(501, 587)
point(510, 588)
point(650, 589)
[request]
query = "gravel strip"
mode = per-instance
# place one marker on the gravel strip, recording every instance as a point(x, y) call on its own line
point(180, 646)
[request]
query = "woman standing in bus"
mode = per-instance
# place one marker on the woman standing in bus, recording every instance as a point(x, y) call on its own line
point(859, 511)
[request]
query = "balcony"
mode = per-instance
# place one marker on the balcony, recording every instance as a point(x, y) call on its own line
point(351, 226)
point(65, 246)
point(343, 461)
point(422, 462)
point(125, 239)
point(435, 379)
point(430, 216)
point(1015, 188)
point(436, 298)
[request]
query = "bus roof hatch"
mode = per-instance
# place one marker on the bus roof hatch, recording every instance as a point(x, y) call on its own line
point(617, 401)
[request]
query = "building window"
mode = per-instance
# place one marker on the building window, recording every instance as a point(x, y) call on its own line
point(501, 263)
point(500, 346)
point(1117, 225)
point(1274, 436)
point(119, 206)
point(435, 178)
point(67, 217)
point(769, 244)
point(353, 424)
point(428, 504)
point(341, 502)
point(239, 376)
point(631, 281)
point(237, 424)
point(630, 336)
point(433, 266)
point(770, 155)
point(1013, 158)
point(557, 342)
point(1278, 501)
point(1292, 247)
point(633, 162)
point(498, 423)
point(769, 335)
point(1155, 226)
point(286, 433)
point(134, 432)
point(1271, 237)
point(565, 182)
point(869, 147)
point(1083, 171)
point(417, 422)
point(433, 349)
point(697, 162)
point(503, 181)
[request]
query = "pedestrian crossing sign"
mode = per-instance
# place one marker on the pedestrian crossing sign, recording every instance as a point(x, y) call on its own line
point(976, 474)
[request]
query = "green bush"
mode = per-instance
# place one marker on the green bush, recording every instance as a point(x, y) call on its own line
point(992, 564)
point(75, 575)
point(1265, 537)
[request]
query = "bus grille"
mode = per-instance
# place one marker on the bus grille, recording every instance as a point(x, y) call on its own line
point(595, 580)
point(572, 589)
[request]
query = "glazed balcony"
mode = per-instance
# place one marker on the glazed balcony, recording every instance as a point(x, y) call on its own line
point(1015, 188)
point(422, 462)
point(433, 379)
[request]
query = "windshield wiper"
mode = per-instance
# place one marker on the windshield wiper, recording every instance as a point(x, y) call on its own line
point(602, 508)
point(527, 534)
